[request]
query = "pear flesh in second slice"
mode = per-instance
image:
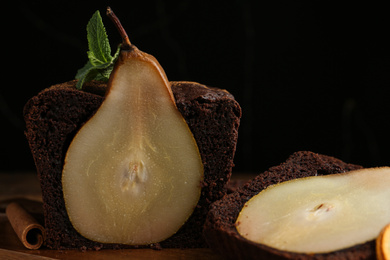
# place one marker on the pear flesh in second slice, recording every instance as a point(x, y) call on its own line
point(319, 214)
point(132, 173)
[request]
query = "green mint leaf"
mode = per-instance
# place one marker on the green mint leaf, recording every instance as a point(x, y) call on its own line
point(105, 72)
point(84, 70)
point(99, 46)
point(100, 63)
point(104, 75)
point(90, 72)
point(83, 74)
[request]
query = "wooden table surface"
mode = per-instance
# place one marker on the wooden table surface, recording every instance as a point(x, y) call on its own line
point(24, 188)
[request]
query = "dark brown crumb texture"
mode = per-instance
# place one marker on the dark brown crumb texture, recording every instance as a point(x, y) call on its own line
point(54, 116)
point(220, 231)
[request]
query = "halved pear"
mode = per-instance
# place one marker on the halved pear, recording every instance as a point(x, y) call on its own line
point(319, 214)
point(132, 173)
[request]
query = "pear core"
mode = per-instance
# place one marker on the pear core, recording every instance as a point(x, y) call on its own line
point(319, 214)
point(132, 173)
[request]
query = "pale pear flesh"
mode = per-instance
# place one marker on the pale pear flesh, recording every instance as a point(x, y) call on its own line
point(133, 172)
point(319, 214)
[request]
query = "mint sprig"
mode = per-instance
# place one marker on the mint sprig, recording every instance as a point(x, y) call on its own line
point(100, 63)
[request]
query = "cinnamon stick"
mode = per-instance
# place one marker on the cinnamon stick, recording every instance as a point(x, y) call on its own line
point(30, 232)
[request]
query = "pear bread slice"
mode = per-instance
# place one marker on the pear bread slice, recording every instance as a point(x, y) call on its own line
point(55, 115)
point(220, 230)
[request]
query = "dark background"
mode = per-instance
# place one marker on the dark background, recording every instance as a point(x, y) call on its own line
point(308, 75)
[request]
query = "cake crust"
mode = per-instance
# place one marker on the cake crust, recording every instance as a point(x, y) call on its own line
point(55, 115)
point(220, 231)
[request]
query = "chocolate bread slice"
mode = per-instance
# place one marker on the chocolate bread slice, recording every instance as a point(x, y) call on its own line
point(55, 115)
point(220, 231)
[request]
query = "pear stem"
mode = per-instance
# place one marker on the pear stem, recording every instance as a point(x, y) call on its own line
point(125, 39)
